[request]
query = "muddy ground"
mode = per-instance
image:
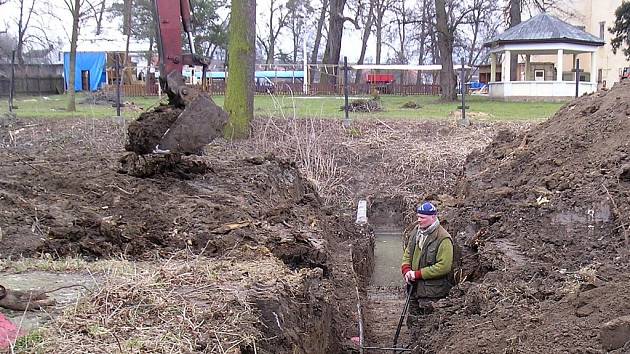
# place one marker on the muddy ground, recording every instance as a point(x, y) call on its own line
point(257, 237)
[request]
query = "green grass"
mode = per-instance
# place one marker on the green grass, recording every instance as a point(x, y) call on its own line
point(431, 108)
point(284, 106)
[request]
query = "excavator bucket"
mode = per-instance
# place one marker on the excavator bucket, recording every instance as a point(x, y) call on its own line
point(198, 124)
point(190, 122)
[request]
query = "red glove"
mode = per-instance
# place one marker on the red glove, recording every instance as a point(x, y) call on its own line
point(409, 275)
point(405, 268)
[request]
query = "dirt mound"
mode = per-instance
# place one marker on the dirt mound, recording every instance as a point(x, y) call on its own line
point(222, 204)
point(363, 105)
point(411, 105)
point(545, 214)
point(567, 175)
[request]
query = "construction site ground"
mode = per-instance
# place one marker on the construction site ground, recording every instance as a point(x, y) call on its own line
point(253, 247)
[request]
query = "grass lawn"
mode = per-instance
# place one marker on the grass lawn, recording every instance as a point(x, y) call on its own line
point(284, 106)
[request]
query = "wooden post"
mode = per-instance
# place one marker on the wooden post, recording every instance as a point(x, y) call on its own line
point(346, 120)
point(12, 81)
point(118, 85)
point(39, 79)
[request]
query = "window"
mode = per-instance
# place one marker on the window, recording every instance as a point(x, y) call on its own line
point(539, 75)
point(599, 75)
point(602, 29)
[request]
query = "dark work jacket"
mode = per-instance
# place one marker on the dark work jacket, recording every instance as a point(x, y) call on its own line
point(431, 288)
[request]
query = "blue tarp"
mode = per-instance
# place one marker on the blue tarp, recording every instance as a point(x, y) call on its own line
point(93, 62)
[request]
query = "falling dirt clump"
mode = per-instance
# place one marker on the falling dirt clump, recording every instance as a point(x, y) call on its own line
point(146, 132)
point(547, 213)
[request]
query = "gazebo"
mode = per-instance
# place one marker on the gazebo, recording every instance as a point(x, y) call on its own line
point(543, 36)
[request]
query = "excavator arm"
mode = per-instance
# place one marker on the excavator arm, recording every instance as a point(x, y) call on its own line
point(201, 120)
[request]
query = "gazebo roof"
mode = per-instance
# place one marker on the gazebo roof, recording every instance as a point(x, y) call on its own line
point(544, 28)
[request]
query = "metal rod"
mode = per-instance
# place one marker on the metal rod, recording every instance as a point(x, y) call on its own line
point(463, 89)
point(410, 289)
point(346, 120)
point(395, 349)
point(12, 82)
point(360, 321)
point(305, 65)
point(577, 77)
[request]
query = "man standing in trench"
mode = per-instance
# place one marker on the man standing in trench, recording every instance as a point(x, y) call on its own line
point(427, 263)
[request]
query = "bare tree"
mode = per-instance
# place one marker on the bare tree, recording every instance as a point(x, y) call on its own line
point(79, 9)
point(423, 27)
point(321, 19)
point(75, 9)
point(276, 20)
point(398, 35)
point(298, 18)
point(483, 22)
point(447, 23)
point(7, 43)
point(380, 8)
point(367, 21)
point(335, 33)
point(24, 18)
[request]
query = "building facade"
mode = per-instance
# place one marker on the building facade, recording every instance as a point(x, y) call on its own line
point(596, 16)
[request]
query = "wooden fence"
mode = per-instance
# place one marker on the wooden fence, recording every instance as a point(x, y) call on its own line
point(295, 89)
point(32, 79)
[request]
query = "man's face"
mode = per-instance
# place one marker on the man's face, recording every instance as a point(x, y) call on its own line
point(425, 220)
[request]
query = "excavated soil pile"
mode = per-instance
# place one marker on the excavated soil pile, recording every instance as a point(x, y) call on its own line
point(365, 106)
point(546, 213)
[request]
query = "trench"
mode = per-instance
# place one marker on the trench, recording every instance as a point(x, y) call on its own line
point(384, 295)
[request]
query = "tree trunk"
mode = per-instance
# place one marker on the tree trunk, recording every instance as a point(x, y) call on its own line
point(127, 77)
point(379, 35)
point(333, 45)
point(99, 18)
point(448, 80)
point(239, 98)
point(73, 56)
point(22, 26)
point(515, 19)
point(423, 39)
point(366, 35)
point(271, 52)
point(318, 35)
point(272, 40)
point(435, 54)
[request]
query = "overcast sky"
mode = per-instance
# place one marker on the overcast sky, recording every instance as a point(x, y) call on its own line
point(57, 27)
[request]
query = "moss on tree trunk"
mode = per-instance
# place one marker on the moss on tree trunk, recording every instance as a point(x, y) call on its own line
point(239, 98)
point(72, 69)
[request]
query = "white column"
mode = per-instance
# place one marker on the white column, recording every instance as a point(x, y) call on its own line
point(559, 64)
point(505, 74)
point(305, 58)
point(594, 67)
point(493, 67)
point(527, 61)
